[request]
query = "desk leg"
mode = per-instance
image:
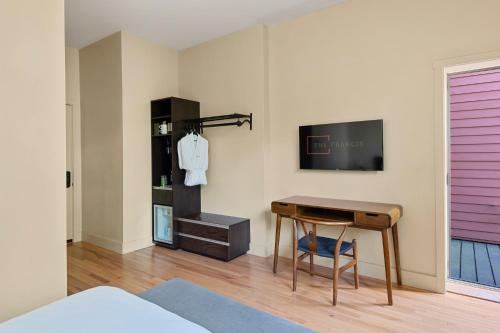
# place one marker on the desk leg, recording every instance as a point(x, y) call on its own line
point(387, 261)
point(295, 254)
point(395, 240)
point(277, 243)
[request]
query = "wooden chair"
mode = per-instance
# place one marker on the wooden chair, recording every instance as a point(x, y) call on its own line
point(311, 245)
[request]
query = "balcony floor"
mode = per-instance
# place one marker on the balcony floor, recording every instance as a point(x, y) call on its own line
point(475, 262)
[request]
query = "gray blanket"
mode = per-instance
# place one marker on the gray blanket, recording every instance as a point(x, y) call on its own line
point(216, 313)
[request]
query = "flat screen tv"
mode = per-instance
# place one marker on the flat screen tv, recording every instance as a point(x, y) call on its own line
point(342, 146)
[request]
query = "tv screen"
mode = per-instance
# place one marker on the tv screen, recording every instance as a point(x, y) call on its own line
point(343, 146)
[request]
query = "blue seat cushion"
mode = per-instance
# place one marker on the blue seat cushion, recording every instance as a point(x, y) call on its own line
point(325, 246)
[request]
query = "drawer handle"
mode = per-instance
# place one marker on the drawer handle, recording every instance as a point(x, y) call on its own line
point(371, 214)
point(208, 224)
point(203, 239)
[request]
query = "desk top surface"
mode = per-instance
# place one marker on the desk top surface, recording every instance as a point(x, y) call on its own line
point(371, 207)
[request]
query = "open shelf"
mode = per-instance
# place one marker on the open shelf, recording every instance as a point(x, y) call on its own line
point(161, 135)
point(326, 214)
point(165, 117)
point(163, 188)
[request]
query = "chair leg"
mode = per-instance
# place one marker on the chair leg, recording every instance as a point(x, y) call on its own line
point(355, 257)
point(311, 264)
point(295, 254)
point(335, 277)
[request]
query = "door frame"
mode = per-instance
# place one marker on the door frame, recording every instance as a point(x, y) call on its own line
point(442, 69)
point(70, 109)
point(77, 173)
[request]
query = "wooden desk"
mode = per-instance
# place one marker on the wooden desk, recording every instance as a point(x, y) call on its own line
point(365, 215)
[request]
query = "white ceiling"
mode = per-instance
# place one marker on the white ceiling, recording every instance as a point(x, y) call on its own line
point(176, 23)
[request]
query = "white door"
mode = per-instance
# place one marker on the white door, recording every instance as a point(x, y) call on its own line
point(69, 171)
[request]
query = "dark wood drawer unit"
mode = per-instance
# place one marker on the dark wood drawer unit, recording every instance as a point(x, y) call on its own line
point(217, 236)
point(206, 248)
point(210, 231)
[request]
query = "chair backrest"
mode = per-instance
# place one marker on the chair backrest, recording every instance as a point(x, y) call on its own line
point(315, 222)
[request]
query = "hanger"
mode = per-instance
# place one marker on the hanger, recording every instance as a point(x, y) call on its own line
point(191, 129)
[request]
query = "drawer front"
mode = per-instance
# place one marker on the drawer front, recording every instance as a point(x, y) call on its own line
point(162, 197)
point(373, 220)
point(283, 208)
point(204, 247)
point(203, 230)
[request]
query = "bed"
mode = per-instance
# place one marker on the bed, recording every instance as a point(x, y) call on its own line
point(173, 306)
point(101, 309)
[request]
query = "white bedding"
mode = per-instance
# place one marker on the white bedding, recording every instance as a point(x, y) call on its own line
point(100, 310)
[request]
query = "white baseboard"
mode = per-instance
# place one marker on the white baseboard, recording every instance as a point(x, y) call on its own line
point(137, 244)
point(104, 242)
point(117, 246)
point(77, 237)
point(258, 250)
point(412, 279)
point(377, 271)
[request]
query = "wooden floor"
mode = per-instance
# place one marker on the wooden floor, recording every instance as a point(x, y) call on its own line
point(475, 262)
point(249, 279)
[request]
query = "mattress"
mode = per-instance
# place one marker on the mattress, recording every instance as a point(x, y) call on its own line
point(101, 309)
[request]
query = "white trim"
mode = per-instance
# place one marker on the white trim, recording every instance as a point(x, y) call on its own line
point(377, 271)
point(76, 173)
point(473, 290)
point(137, 244)
point(71, 110)
point(117, 246)
point(476, 66)
point(441, 151)
point(107, 243)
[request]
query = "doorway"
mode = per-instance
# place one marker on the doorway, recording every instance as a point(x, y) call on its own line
point(69, 174)
point(473, 96)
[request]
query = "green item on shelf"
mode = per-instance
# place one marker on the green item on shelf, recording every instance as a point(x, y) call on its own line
point(163, 180)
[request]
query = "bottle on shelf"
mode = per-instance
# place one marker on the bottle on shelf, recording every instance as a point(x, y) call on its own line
point(163, 128)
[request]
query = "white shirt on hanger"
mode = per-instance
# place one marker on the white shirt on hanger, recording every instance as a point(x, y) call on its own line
point(192, 150)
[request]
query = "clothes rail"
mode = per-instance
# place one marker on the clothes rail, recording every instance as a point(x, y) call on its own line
point(215, 121)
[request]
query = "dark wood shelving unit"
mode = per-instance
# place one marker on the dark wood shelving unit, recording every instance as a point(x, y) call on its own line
point(181, 200)
point(178, 206)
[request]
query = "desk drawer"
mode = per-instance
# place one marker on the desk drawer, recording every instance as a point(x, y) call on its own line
point(283, 208)
point(373, 220)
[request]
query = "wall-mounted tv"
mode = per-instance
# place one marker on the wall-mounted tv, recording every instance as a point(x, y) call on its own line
point(357, 145)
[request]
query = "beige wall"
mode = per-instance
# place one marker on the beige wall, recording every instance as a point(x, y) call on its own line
point(32, 154)
point(228, 75)
point(149, 71)
point(368, 60)
point(73, 98)
point(120, 75)
point(357, 60)
point(102, 142)
point(354, 61)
